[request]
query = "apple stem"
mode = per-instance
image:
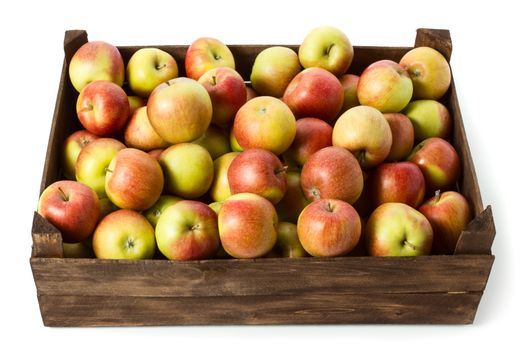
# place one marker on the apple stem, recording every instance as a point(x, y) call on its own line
point(437, 196)
point(406, 243)
point(330, 207)
point(327, 52)
point(65, 197)
point(214, 80)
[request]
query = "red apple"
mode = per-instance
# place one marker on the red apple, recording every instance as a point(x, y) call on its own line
point(438, 161)
point(227, 91)
point(71, 207)
point(316, 93)
point(188, 230)
point(332, 173)
point(140, 134)
point(448, 213)
point(400, 182)
point(349, 83)
point(258, 171)
point(329, 227)
point(207, 53)
point(247, 225)
point(72, 147)
point(402, 136)
point(134, 180)
point(311, 135)
point(103, 108)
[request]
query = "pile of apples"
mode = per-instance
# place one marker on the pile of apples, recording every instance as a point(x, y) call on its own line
point(306, 159)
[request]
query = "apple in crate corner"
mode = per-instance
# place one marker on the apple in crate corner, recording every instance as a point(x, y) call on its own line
point(265, 122)
point(403, 136)
point(328, 48)
point(273, 69)
point(329, 227)
point(72, 147)
point(180, 110)
point(188, 230)
point(220, 189)
point(448, 213)
point(134, 180)
point(188, 170)
point(149, 67)
point(439, 163)
point(96, 60)
point(258, 171)
point(103, 108)
point(71, 207)
point(140, 134)
point(93, 161)
point(429, 71)
point(215, 141)
point(400, 182)
point(207, 53)
point(396, 229)
point(332, 173)
point(124, 234)
point(385, 85)
point(247, 225)
point(364, 131)
point(315, 93)
point(227, 91)
point(430, 118)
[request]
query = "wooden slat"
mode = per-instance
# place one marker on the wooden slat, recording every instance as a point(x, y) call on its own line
point(439, 39)
point(349, 275)
point(47, 240)
point(478, 236)
point(321, 308)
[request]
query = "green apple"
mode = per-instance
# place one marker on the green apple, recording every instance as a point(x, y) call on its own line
point(430, 118)
point(396, 229)
point(72, 146)
point(149, 67)
point(234, 145)
point(124, 234)
point(216, 206)
point(164, 201)
point(328, 48)
point(93, 161)
point(135, 102)
point(220, 189)
point(188, 170)
point(288, 244)
point(215, 141)
point(273, 69)
point(188, 230)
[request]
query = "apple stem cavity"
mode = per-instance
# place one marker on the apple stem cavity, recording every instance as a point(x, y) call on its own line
point(328, 49)
point(216, 56)
point(214, 80)
point(330, 207)
point(281, 170)
point(65, 197)
point(158, 67)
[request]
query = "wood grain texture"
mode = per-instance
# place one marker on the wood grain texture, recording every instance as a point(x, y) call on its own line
point(322, 308)
point(47, 240)
point(478, 236)
point(439, 39)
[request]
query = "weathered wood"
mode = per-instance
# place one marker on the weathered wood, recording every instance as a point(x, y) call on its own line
point(439, 39)
point(478, 236)
point(47, 240)
point(72, 41)
point(320, 308)
point(228, 277)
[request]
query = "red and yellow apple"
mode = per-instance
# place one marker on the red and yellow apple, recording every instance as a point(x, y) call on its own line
point(220, 189)
point(349, 83)
point(72, 147)
point(311, 135)
point(207, 53)
point(140, 134)
point(403, 136)
point(430, 118)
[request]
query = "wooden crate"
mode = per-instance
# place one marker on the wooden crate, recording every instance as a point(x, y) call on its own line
point(443, 289)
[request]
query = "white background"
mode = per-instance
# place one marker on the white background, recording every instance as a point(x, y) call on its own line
point(486, 63)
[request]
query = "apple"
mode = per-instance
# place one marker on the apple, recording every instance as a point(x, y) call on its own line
point(71, 207)
point(72, 146)
point(96, 60)
point(156, 153)
point(134, 180)
point(93, 161)
point(328, 48)
point(251, 93)
point(124, 234)
point(315, 93)
point(364, 131)
point(403, 136)
point(103, 108)
point(135, 102)
point(164, 201)
point(400, 182)
point(311, 135)
point(148, 67)
point(288, 244)
point(430, 118)
point(247, 225)
point(349, 83)
point(439, 163)
point(188, 230)
point(78, 250)
point(140, 134)
point(180, 110)
point(188, 170)
point(216, 206)
point(258, 171)
point(207, 53)
point(215, 141)
point(364, 204)
point(220, 190)
point(294, 200)
point(273, 69)
point(265, 122)
point(385, 85)
point(448, 213)
point(227, 91)
point(332, 173)
point(329, 227)
point(396, 229)
point(429, 71)
point(234, 145)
